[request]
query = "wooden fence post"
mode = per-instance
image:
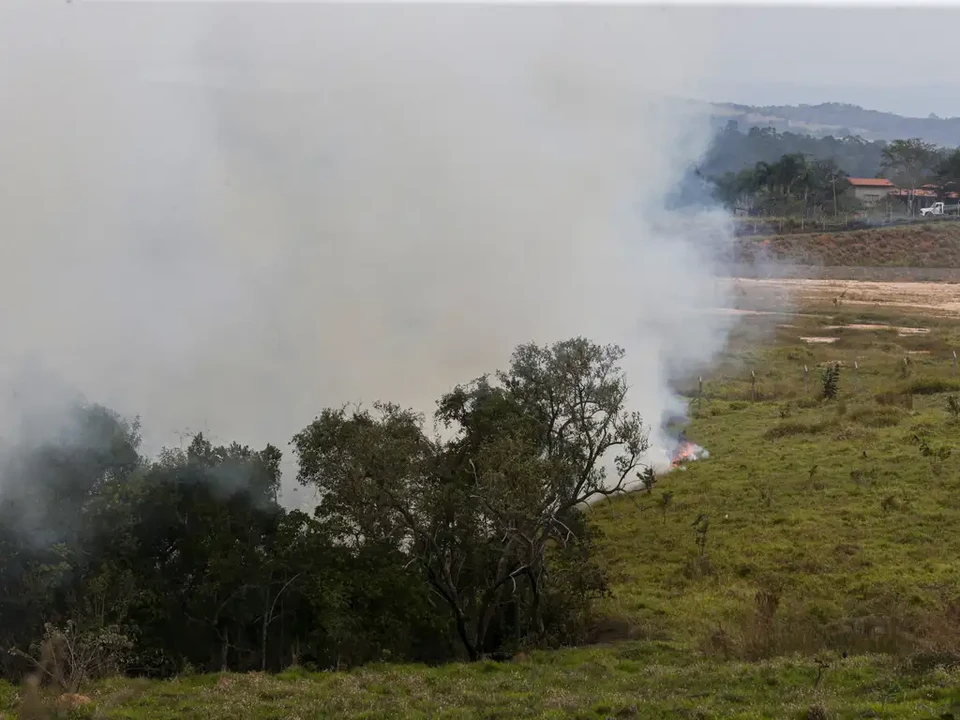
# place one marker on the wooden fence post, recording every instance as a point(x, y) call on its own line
point(806, 380)
point(856, 376)
point(699, 390)
point(753, 385)
point(954, 362)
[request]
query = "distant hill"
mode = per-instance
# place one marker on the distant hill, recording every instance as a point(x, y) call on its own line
point(840, 120)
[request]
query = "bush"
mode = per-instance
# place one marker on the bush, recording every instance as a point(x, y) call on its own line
point(796, 427)
point(67, 657)
point(877, 417)
point(953, 407)
point(932, 386)
point(830, 379)
point(900, 399)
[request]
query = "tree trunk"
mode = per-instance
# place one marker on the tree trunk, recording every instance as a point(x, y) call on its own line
point(224, 650)
point(487, 611)
point(450, 598)
point(263, 632)
point(536, 609)
point(471, 646)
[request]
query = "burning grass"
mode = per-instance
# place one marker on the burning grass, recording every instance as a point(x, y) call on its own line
point(686, 452)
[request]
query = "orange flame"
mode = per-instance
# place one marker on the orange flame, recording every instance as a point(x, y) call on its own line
point(686, 451)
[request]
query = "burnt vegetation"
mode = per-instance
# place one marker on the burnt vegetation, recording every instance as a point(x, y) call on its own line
point(421, 547)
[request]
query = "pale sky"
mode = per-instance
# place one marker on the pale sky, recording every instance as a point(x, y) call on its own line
point(225, 217)
point(883, 58)
point(880, 57)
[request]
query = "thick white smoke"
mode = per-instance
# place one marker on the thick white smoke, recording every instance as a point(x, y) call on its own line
point(227, 217)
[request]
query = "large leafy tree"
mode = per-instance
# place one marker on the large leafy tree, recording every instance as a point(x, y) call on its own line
point(477, 512)
point(791, 184)
point(49, 483)
point(948, 169)
point(910, 162)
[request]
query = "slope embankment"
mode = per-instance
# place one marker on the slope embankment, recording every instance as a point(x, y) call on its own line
point(927, 251)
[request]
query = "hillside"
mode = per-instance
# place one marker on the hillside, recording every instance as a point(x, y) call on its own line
point(841, 119)
point(822, 584)
point(922, 245)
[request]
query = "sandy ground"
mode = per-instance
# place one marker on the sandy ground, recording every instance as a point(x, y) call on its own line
point(781, 294)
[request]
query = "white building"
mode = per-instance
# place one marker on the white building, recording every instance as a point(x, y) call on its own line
point(870, 191)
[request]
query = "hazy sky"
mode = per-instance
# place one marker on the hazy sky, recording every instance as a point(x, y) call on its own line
point(225, 217)
point(881, 57)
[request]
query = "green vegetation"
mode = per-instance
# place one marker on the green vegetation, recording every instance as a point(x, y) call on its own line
point(787, 175)
point(807, 568)
point(734, 150)
point(422, 546)
point(631, 680)
point(829, 518)
point(791, 185)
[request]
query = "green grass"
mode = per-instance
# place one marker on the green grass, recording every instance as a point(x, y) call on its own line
point(832, 530)
point(845, 512)
point(644, 680)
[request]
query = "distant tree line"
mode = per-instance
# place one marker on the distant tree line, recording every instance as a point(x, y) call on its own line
point(733, 151)
point(792, 185)
point(422, 546)
point(809, 175)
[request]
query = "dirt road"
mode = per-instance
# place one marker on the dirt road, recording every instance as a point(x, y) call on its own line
point(936, 298)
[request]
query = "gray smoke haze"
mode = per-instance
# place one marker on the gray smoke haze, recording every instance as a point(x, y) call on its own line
point(224, 218)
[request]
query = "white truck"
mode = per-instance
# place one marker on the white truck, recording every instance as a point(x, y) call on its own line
point(935, 209)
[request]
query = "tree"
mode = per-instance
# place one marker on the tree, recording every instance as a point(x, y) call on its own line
point(948, 169)
point(792, 183)
point(827, 184)
point(733, 151)
point(910, 162)
point(830, 379)
point(475, 514)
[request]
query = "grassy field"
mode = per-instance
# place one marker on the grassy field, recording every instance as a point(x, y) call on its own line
point(630, 680)
point(830, 522)
point(826, 583)
point(923, 245)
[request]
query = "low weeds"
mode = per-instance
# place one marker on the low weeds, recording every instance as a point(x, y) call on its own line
point(932, 386)
point(895, 398)
point(774, 627)
point(876, 417)
point(791, 428)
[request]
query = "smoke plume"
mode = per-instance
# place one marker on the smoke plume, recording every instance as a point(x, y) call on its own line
point(226, 217)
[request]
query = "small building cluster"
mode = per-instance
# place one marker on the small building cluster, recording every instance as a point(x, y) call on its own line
point(873, 191)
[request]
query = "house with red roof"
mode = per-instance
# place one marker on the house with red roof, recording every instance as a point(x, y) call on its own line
point(871, 191)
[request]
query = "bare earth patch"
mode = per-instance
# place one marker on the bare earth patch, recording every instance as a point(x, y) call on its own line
point(814, 339)
point(938, 298)
point(880, 326)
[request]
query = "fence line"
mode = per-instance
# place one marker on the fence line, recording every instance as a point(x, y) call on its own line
point(755, 382)
point(760, 227)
